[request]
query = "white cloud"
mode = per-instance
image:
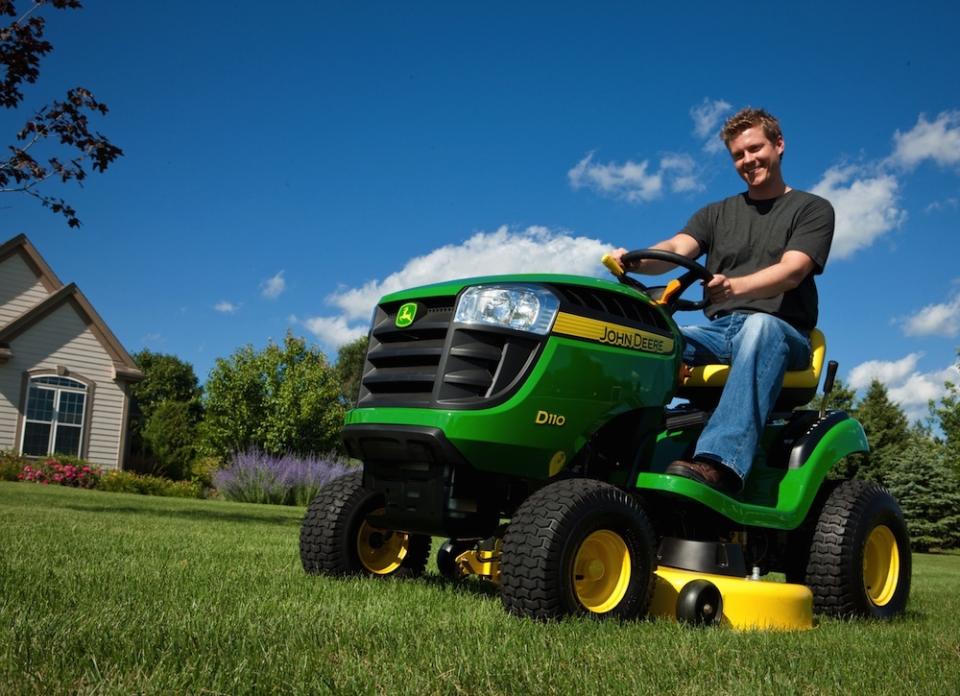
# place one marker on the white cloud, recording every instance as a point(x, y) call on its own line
point(950, 203)
point(937, 140)
point(633, 181)
point(226, 307)
point(884, 371)
point(535, 249)
point(865, 205)
point(273, 287)
point(629, 181)
point(911, 389)
point(941, 319)
point(706, 117)
point(680, 169)
point(334, 331)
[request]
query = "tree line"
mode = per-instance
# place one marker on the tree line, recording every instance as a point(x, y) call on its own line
point(285, 398)
point(288, 398)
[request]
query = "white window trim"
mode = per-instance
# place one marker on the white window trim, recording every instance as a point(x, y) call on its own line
point(55, 423)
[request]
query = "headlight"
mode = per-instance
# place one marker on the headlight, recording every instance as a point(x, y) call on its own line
point(520, 307)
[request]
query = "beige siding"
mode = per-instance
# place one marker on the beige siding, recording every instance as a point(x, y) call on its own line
point(20, 289)
point(62, 338)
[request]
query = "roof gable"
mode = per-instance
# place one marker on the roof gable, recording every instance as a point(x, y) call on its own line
point(22, 246)
point(124, 365)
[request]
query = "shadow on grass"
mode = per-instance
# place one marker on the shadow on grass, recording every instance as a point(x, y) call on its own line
point(194, 515)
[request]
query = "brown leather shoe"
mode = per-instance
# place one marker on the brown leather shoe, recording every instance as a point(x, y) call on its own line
point(716, 476)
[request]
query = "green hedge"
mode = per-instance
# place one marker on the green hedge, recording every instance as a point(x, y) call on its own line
point(127, 482)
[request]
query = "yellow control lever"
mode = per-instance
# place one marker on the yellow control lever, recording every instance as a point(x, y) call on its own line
point(612, 265)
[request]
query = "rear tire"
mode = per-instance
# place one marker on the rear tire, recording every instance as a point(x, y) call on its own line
point(578, 546)
point(860, 562)
point(337, 539)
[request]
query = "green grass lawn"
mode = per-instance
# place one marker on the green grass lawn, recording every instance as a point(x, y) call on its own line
point(115, 593)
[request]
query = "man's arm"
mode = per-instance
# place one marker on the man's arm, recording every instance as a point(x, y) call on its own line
point(681, 243)
point(785, 275)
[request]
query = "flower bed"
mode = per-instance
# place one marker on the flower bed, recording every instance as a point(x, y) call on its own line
point(79, 475)
point(257, 477)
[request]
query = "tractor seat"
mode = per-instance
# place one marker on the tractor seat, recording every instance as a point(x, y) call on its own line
point(702, 385)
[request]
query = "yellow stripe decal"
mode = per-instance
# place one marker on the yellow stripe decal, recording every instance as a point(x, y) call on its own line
point(611, 334)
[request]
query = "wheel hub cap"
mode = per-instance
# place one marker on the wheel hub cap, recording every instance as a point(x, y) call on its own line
point(601, 571)
point(881, 565)
point(381, 551)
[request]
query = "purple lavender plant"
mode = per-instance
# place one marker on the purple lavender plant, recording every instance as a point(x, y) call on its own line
point(257, 477)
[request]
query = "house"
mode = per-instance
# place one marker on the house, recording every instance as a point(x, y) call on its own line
point(64, 377)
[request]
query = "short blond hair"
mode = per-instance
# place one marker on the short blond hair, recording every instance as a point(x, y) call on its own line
point(750, 118)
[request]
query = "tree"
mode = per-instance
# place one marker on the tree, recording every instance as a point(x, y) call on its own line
point(887, 431)
point(841, 399)
point(285, 398)
point(62, 126)
point(946, 414)
point(350, 360)
point(928, 492)
point(170, 437)
point(166, 380)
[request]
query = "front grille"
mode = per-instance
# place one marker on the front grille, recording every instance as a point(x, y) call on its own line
point(431, 362)
point(402, 364)
point(434, 362)
point(599, 302)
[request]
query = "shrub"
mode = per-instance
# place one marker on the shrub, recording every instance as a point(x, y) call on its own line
point(128, 482)
point(203, 469)
point(257, 477)
point(169, 434)
point(11, 465)
point(284, 398)
point(70, 472)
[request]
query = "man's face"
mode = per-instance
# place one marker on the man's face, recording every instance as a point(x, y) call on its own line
point(757, 160)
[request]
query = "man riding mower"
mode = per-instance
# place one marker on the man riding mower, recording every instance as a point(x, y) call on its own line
point(526, 419)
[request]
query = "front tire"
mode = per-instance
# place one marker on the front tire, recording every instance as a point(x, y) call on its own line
point(578, 546)
point(860, 561)
point(339, 535)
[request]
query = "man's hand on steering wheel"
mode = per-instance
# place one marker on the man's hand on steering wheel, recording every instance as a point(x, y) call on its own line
point(720, 289)
point(620, 262)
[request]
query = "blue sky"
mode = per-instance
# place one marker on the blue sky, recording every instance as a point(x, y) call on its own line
point(285, 165)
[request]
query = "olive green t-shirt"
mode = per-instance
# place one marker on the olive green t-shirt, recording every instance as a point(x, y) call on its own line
point(741, 236)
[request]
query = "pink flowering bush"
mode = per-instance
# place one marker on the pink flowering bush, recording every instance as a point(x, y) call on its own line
point(78, 475)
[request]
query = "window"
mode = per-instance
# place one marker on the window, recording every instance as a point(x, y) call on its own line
point(54, 418)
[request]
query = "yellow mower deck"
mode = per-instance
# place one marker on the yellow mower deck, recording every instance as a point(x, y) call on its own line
point(747, 604)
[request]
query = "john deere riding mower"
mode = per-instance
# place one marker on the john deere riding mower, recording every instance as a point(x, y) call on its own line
point(525, 419)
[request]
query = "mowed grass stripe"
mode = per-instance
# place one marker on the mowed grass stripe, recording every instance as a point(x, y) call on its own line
point(115, 593)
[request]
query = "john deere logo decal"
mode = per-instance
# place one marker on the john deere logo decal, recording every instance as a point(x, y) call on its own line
point(406, 315)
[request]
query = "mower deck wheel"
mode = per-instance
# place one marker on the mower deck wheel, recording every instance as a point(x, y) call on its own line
point(699, 603)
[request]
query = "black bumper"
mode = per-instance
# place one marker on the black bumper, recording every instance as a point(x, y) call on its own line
point(427, 485)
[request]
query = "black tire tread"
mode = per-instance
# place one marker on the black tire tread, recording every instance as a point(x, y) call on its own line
point(834, 567)
point(324, 546)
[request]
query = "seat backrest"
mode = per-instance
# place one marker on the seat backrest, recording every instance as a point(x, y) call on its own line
point(705, 382)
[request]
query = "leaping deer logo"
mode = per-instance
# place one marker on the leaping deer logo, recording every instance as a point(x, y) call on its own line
point(406, 314)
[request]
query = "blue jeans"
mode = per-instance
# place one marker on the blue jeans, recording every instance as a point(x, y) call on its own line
point(759, 348)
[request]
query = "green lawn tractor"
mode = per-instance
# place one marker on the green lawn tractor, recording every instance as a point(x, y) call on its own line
point(527, 419)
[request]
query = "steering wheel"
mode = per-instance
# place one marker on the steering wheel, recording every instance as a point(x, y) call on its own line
point(670, 294)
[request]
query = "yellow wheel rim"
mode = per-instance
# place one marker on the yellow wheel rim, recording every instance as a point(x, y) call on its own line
point(601, 571)
point(881, 565)
point(381, 551)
